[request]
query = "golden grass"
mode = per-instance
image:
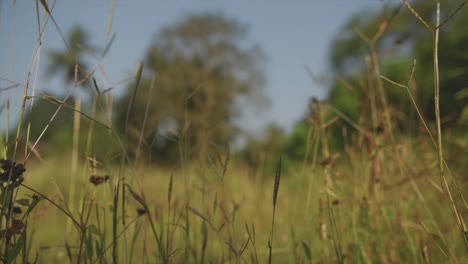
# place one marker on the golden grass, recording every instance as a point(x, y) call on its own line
point(408, 219)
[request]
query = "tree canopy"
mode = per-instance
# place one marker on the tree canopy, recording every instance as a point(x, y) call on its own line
point(395, 38)
point(66, 61)
point(195, 73)
point(404, 38)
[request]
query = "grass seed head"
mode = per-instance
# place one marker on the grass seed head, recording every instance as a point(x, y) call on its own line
point(96, 180)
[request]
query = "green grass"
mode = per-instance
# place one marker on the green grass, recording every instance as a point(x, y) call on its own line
point(390, 229)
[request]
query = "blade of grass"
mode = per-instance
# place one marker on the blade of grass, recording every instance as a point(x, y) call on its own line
point(275, 196)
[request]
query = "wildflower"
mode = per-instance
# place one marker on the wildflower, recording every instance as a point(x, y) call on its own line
point(17, 226)
point(11, 170)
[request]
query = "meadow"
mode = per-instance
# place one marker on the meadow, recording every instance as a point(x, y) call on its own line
point(385, 197)
point(223, 213)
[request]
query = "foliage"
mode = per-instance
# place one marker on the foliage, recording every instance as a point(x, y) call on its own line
point(260, 153)
point(12, 217)
point(403, 38)
point(296, 143)
point(71, 61)
point(195, 73)
point(59, 130)
point(52, 119)
point(53, 124)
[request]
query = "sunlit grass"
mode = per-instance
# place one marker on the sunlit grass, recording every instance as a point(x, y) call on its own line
point(379, 200)
point(369, 230)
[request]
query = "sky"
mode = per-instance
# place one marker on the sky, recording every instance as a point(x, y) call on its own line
point(293, 35)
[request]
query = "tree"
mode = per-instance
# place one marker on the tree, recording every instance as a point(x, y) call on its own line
point(261, 153)
point(61, 129)
point(404, 38)
point(201, 68)
point(60, 62)
point(66, 61)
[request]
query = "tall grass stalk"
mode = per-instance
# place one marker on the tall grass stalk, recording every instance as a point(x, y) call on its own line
point(435, 32)
point(138, 73)
point(275, 196)
point(74, 160)
point(168, 226)
point(448, 192)
point(335, 232)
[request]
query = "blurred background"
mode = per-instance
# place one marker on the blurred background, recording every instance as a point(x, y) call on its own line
point(231, 72)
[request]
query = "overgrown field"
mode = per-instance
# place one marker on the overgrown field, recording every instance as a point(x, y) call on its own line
point(222, 213)
point(385, 195)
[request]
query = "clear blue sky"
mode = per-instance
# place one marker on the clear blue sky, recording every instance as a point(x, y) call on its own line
point(292, 34)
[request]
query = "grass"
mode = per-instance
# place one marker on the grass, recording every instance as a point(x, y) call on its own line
point(386, 198)
point(224, 214)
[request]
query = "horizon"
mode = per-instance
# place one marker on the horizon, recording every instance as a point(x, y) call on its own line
point(290, 45)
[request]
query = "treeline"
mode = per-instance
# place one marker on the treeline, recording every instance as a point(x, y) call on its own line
point(185, 101)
